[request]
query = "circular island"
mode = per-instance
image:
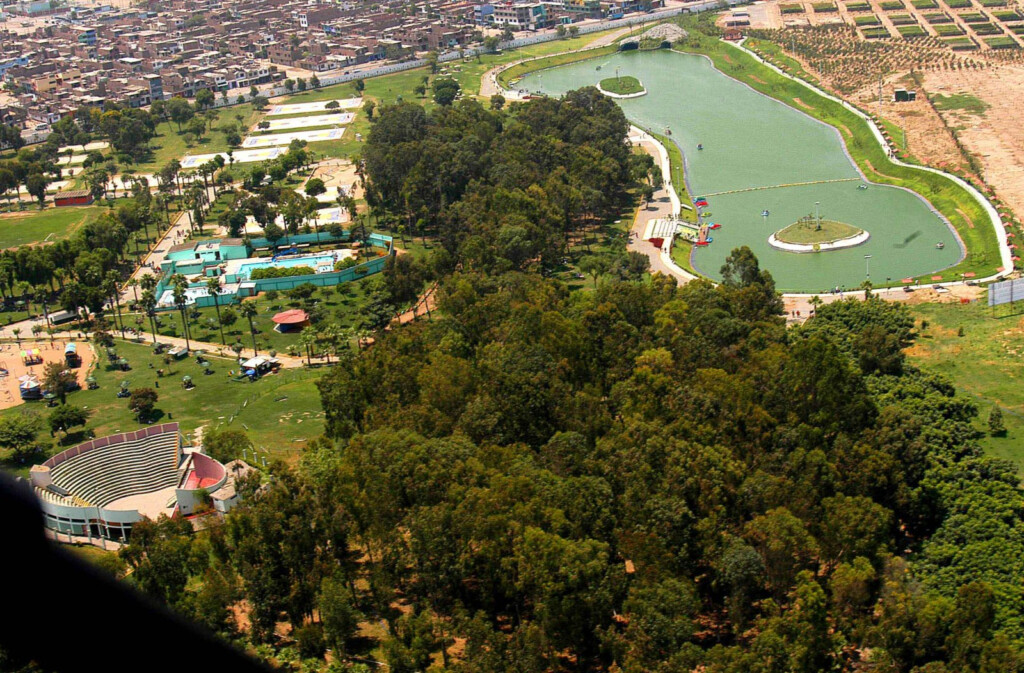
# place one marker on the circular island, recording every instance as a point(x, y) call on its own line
point(624, 86)
point(810, 234)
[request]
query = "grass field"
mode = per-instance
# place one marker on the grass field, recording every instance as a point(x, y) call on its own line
point(509, 75)
point(277, 411)
point(807, 233)
point(964, 102)
point(622, 85)
point(870, 20)
point(36, 226)
point(985, 363)
point(169, 144)
point(965, 213)
point(912, 31)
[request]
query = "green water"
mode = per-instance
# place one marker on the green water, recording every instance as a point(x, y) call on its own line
point(751, 140)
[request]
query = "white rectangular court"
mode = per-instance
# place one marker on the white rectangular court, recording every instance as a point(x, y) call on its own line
point(309, 108)
point(241, 157)
point(286, 138)
point(306, 122)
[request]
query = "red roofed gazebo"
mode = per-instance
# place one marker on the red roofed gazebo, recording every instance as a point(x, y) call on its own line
point(287, 321)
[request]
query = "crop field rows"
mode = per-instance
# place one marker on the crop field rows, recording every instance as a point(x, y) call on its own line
point(958, 25)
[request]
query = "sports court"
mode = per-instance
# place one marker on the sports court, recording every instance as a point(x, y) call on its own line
point(318, 106)
point(307, 122)
point(242, 157)
point(286, 138)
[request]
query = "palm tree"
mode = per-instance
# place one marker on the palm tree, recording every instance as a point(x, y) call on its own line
point(133, 283)
point(114, 292)
point(148, 303)
point(308, 340)
point(180, 284)
point(17, 335)
point(249, 311)
point(213, 287)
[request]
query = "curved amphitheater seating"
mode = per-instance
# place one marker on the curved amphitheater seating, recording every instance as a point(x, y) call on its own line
point(114, 467)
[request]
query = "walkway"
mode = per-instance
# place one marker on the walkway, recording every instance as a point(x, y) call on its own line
point(664, 204)
point(489, 82)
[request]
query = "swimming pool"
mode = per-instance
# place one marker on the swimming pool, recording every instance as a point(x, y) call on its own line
point(313, 261)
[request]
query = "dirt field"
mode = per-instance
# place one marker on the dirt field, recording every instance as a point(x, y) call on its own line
point(926, 137)
point(995, 136)
point(11, 362)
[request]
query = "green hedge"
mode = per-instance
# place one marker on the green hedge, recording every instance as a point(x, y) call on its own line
point(938, 17)
point(280, 272)
point(891, 5)
point(949, 30)
point(973, 17)
point(959, 4)
point(993, 3)
point(824, 7)
point(924, 4)
point(791, 9)
point(858, 7)
point(902, 20)
point(967, 215)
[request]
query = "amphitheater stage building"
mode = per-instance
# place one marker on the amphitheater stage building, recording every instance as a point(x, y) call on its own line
point(101, 488)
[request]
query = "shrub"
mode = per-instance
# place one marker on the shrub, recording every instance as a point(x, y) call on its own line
point(281, 272)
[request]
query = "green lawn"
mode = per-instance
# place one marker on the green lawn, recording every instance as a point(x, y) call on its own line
point(169, 144)
point(269, 409)
point(36, 226)
point(962, 210)
point(807, 233)
point(959, 102)
point(622, 85)
point(985, 363)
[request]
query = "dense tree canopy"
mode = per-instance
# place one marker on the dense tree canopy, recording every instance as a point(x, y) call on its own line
point(642, 477)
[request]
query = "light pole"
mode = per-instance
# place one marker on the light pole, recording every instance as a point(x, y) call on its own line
point(817, 215)
point(867, 266)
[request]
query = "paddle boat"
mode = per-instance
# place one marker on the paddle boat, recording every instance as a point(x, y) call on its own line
point(940, 245)
point(764, 213)
point(700, 146)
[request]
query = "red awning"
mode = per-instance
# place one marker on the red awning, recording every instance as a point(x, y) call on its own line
point(294, 316)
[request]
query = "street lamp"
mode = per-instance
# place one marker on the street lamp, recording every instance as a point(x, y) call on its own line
point(867, 266)
point(817, 215)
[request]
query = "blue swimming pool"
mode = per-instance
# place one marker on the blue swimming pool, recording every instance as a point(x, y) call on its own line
point(313, 261)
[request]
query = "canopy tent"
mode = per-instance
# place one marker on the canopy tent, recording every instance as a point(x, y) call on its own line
point(291, 319)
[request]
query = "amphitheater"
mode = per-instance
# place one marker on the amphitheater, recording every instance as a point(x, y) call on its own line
point(101, 488)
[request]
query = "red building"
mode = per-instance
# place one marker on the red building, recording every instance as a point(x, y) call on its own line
point(77, 198)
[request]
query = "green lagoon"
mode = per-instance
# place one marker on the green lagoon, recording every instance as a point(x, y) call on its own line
point(750, 140)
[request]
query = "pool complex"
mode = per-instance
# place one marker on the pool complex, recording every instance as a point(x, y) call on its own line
point(758, 154)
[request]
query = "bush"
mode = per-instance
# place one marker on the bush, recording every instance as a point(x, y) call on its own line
point(346, 263)
point(996, 428)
